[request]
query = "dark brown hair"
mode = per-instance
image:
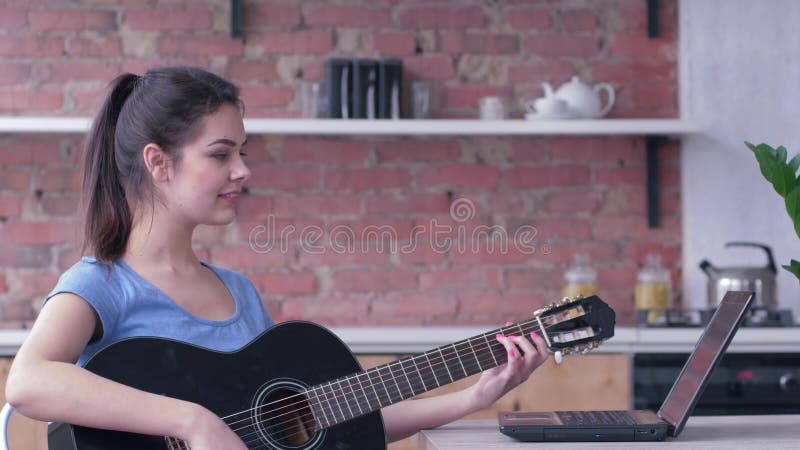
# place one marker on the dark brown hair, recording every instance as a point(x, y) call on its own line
point(164, 107)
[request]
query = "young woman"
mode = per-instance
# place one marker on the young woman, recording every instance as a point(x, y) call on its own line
point(165, 155)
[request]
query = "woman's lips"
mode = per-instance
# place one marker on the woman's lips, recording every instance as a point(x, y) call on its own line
point(230, 196)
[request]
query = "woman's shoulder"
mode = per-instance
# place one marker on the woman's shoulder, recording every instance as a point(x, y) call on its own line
point(89, 266)
point(93, 280)
point(89, 271)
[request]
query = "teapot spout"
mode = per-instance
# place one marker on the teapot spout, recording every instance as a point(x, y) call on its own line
point(548, 89)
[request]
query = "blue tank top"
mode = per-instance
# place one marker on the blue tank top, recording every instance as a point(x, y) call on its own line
point(130, 306)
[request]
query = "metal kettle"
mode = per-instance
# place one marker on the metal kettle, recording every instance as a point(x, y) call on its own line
point(761, 280)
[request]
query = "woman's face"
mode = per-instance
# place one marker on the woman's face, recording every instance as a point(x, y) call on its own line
point(205, 184)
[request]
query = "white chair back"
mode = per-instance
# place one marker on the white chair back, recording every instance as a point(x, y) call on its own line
point(5, 415)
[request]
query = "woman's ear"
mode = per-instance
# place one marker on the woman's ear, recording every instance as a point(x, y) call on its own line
point(156, 162)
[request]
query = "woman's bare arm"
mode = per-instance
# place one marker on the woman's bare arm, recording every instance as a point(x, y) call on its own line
point(45, 384)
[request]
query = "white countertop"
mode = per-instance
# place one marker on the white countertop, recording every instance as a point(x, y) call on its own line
point(708, 432)
point(627, 339)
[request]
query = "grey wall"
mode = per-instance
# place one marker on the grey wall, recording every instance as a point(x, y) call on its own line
point(740, 78)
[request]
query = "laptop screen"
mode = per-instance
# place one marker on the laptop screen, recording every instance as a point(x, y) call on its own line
point(693, 378)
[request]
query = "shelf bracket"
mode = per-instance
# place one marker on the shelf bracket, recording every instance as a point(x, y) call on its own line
point(652, 144)
point(236, 19)
point(653, 29)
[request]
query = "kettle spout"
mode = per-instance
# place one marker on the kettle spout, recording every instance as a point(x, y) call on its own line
point(706, 267)
point(548, 89)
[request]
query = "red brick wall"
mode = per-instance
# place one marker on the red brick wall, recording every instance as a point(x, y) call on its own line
point(577, 194)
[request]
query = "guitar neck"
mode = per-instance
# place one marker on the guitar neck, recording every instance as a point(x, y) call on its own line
point(348, 397)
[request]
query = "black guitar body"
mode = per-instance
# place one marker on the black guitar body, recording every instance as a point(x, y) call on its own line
point(287, 358)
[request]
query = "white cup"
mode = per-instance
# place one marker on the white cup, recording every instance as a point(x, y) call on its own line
point(492, 108)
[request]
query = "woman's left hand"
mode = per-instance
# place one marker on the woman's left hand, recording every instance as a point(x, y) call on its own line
point(523, 358)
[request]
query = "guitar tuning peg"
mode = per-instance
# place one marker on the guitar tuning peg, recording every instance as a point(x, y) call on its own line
point(595, 344)
point(559, 357)
point(566, 300)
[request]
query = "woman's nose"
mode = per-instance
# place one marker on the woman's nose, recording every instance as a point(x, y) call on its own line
point(240, 170)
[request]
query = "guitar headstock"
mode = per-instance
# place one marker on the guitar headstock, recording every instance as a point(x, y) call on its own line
point(576, 325)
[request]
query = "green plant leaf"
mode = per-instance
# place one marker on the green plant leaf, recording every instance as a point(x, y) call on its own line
point(792, 202)
point(781, 154)
point(778, 173)
point(785, 180)
point(773, 166)
point(766, 163)
point(794, 164)
point(761, 147)
point(793, 267)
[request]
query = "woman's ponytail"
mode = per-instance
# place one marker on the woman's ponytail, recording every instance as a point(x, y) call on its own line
point(108, 216)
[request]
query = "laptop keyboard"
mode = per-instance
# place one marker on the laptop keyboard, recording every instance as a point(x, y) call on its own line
point(595, 418)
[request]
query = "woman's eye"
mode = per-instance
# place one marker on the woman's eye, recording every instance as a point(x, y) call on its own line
point(242, 153)
point(220, 156)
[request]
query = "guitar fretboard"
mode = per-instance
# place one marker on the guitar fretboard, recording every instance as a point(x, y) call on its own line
point(352, 396)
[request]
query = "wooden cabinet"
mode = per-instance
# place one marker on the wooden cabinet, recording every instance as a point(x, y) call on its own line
point(596, 381)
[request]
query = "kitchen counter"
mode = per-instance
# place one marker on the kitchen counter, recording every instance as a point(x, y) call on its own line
point(627, 339)
point(709, 432)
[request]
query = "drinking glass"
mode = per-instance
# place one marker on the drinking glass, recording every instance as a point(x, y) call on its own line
point(420, 99)
point(312, 99)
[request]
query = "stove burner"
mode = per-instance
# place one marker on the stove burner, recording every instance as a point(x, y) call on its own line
point(757, 316)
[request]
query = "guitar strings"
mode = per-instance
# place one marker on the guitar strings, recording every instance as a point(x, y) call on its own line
point(392, 373)
point(294, 424)
point(363, 386)
point(363, 389)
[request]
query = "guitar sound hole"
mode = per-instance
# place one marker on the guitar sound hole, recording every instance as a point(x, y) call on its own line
point(285, 417)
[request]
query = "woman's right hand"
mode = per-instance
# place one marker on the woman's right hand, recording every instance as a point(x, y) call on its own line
point(209, 432)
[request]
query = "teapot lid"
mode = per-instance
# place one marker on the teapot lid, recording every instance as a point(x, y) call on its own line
point(576, 87)
point(576, 80)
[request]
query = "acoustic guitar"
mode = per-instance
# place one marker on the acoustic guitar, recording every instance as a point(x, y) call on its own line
point(298, 386)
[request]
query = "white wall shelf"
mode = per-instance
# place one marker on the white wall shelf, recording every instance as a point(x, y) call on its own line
point(653, 130)
point(405, 127)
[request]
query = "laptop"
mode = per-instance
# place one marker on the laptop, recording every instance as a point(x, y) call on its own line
point(640, 425)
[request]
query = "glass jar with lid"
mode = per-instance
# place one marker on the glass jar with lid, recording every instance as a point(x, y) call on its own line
point(653, 291)
point(580, 277)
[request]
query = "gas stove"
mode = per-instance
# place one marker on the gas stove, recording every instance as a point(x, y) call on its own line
point(765, 382)
point(673, 317)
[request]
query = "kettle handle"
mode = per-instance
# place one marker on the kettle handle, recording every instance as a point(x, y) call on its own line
point(766, 248)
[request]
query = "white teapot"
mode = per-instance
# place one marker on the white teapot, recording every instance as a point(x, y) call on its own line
point(583, 101)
